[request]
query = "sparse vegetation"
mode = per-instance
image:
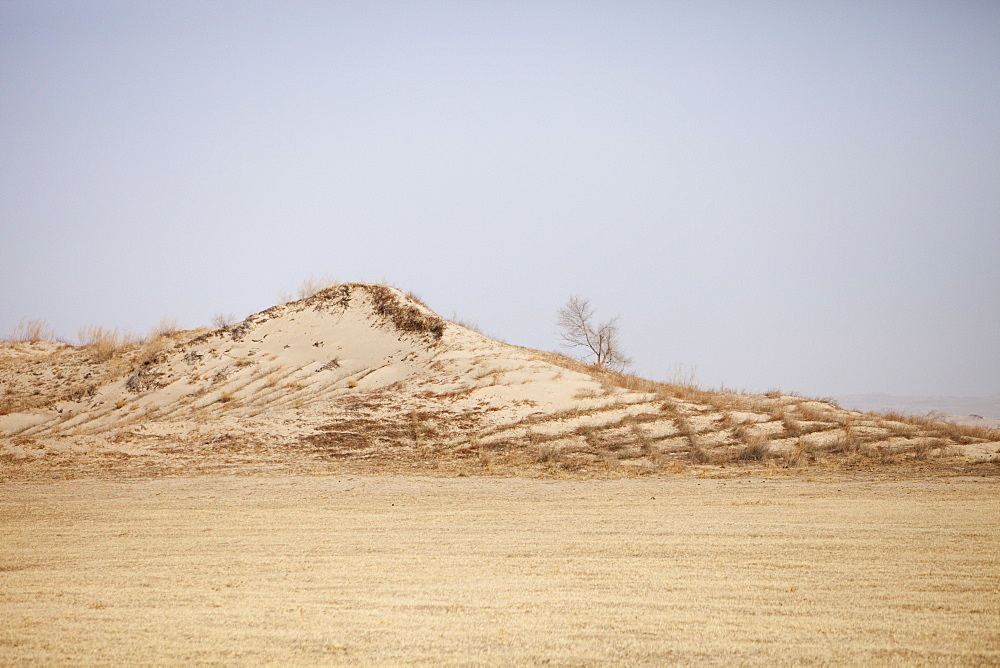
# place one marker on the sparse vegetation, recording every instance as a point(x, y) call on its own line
point(413, 296)
point(547, 454)
point(468, 324)
point(154, 348)
point(32, 331)
point(756, 449)
point(405, 317)
point(165, 328)
point(578, 330)
point(478, 411)
point(312, 285)
point(223, 320)
point(104, 343)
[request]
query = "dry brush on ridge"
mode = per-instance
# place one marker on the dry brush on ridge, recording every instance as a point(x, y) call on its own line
point(364, 377)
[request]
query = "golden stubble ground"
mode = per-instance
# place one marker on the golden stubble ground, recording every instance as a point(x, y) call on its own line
point(395, 569)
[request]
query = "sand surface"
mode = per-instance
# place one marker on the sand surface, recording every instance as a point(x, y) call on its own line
point(395, 569)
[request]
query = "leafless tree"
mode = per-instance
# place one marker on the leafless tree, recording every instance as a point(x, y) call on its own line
point(223, 320)
point(578, 330)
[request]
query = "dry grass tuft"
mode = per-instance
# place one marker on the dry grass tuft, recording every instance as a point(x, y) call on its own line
point(847, 441)
point(699, 455)
point(105, 344)
point(801, 454)
point(692, 393)
point(223, 320)
point(744, 432)
point(967, 433)
point(153, 349)
point(166, 327)
point(32, 331)
point(642, 439)
point(405, 317)
point(413, 296)
point(792, 426)
point(461, 322)
point(312, 286)
point(547, 454)
point(814, 411)
point(756, 451)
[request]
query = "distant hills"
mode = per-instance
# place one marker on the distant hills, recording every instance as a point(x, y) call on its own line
point(963, 407)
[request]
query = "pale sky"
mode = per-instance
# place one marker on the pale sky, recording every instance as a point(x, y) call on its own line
point(803, 196)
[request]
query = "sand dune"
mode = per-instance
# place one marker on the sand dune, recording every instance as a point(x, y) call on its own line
point(363, 376)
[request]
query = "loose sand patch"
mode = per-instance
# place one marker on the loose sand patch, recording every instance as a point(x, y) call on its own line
point(364, 569)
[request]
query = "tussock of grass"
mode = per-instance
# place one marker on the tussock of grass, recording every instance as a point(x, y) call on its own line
point(165, 328)
point(312, 286)
point(32, 331)
point(105, 344)
point(405, 317)
point(792, 426)
point(468, 324)
point(754, 452)
point(153, 349)
point(547, 454)
point(223, 320)
point(413, 296)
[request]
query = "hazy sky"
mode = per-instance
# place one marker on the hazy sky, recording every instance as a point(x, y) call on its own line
point(794, 195)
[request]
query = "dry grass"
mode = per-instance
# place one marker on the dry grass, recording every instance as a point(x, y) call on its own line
point(547, 453)
point(967, 433)
point(403, 316)
point(153, 349)
point(468, 324)
point(312, 286)
point(756, 450)
point(413, 296)
point(223, 320)
point(165, 328)
point(800, 455)
point(793, 427)
point(32, 331)
point(309, 570)
point(105, 344)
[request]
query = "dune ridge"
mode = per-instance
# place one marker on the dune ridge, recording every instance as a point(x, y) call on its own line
point(363, 376)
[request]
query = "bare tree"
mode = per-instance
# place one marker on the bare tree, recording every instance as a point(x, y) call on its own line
point(223, 320)
point(578, 330)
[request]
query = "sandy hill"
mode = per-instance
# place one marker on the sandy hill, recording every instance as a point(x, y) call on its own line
point(363, 377)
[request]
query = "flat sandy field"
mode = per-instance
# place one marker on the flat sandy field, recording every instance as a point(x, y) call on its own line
point(388, 570)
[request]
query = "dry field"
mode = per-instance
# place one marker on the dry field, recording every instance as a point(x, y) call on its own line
point(395, 569)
